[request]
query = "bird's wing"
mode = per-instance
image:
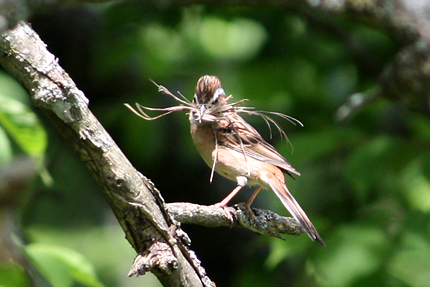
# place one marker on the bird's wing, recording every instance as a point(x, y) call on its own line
point(234, 132)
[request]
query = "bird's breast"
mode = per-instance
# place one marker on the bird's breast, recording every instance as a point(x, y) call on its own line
point(204, 140)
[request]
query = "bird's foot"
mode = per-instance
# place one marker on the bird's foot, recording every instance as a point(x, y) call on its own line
point(226, 212)
point(248, 207)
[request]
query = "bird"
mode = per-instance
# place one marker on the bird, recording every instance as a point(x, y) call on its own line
point(235, 150)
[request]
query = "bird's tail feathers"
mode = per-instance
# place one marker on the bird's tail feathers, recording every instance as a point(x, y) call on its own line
point(290, 203)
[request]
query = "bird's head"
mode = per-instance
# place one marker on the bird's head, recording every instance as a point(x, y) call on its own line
point(209, 93)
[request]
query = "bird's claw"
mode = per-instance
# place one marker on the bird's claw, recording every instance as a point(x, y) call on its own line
point(227, 213)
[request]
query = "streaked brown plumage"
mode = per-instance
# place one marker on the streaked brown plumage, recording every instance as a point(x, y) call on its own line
point(235, 150)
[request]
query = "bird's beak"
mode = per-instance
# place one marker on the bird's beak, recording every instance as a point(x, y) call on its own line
point(202, 112)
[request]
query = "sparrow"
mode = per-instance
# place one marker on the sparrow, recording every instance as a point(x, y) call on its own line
point(235, 150)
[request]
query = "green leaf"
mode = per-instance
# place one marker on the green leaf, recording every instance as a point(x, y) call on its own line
point(416, 183)
point(240, 39)
point(23, 126)
point(310, 146)
point(9, 87)
point(13, 275)
point(368, 164)
point(279, 251)
point(5, 147)
point(62, 266)
point(358, 252)
point(411, 263)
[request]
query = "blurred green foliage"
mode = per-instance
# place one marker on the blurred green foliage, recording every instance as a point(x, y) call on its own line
point(19, 125)
point(61, 266)
point(12, 274)
point(365, 182)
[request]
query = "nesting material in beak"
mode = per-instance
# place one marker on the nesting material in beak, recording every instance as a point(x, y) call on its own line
point(202, 111)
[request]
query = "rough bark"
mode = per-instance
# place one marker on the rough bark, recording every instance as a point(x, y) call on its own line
point(155, 234)
point(135, 201)
point(265, 222)
point(405, 79)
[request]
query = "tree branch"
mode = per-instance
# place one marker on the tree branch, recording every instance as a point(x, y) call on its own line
point(133, 198)
point(137, 204)
point(15, 178)
point(405, 79)
point(266, 222)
